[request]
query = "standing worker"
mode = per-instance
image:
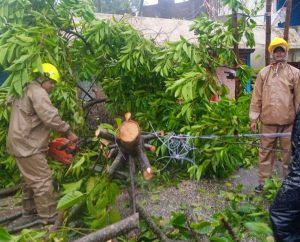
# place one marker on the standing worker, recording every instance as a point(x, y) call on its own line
point(32, 118)
point(274, 103)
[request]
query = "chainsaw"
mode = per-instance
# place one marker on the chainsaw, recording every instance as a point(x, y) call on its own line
point(63, 150)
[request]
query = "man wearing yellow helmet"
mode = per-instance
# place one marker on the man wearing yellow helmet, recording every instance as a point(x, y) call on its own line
point(32, 118)
point(275, 100)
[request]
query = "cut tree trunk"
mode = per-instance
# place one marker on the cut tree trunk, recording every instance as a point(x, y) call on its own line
point(129, 134)
point(129, 143)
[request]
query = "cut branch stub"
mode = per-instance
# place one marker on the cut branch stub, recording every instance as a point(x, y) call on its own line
point(104, 134)
point(149, 147)
point(148, 137)
point(145, 165)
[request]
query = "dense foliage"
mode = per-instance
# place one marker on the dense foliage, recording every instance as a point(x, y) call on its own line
point(169, 86)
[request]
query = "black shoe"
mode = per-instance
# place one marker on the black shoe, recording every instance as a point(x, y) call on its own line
point(259, 188)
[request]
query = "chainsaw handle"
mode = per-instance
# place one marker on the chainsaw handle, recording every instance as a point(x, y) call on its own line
point(65, 146)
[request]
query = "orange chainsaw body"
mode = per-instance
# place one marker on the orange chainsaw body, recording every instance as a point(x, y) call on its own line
point(62, 150)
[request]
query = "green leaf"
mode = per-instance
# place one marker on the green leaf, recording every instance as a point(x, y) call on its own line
point(79, 163)
point(10, 53)
point(258, 228)
point(119, 122)
point(69, 200)
point(102, 203)
point(246, 208)
point(114, 215)
point(17, 85)
point(202, 227)
point(4, 235)
point(91, 183)
point(24, 38)
point(112, 193)
point(100, 222)
point(178, 219)
point(3, 52)
point(73, 186)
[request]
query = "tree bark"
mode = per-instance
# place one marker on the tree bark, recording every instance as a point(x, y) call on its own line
point(287, 20)
point(132, 187)
point(102, 133)
point(145, 164)
point(148, 137)
point(113, 230)
point(116, 163)
point(9, 191)
point(112, 153)
point(162, 237)
point(10, 217)
point(236, 51)
point(268, 30)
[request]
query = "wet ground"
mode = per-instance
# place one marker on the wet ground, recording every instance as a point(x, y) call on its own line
point(202, 196)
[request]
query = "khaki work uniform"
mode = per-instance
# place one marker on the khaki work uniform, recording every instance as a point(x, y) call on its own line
point(275, 100)
point(32, 118)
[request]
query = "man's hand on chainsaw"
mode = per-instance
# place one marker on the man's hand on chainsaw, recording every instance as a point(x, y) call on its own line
point(71, 136)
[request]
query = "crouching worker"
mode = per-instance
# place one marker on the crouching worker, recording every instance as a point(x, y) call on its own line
point(285, 210)
point(32, 118)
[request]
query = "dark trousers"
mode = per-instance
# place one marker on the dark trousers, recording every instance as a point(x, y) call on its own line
point(285, 215)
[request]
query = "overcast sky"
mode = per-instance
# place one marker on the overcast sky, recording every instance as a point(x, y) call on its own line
point(150, 2)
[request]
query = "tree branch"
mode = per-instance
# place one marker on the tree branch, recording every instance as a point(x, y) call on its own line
point(112, 231)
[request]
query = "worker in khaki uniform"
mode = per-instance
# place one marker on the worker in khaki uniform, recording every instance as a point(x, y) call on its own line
point(32, 118)
point(274, 103)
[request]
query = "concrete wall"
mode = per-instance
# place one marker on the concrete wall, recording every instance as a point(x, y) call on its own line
point(169, 9)
point(162, 30)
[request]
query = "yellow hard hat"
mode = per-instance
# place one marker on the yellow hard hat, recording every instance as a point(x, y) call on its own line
point(49, 71)
point(278, 42)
